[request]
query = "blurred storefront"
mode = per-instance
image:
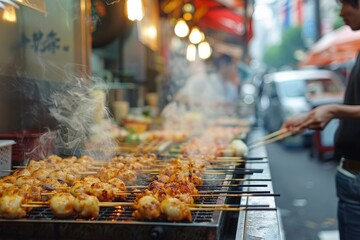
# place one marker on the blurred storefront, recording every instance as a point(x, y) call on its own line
point(88, 92)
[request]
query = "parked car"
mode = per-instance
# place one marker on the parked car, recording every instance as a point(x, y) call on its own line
point(247, 94)
point(291, 93)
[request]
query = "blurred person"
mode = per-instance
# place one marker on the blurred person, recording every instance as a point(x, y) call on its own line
point(347, 137)
point(209, 86)
point(232, 81)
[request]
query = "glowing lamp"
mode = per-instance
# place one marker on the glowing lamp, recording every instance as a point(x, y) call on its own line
point(134, 10)
point(196, 36)
point(204, 50)
point(191, 52)
point(181, 28)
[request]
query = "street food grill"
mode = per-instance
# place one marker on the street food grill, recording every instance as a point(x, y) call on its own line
point(187, 192)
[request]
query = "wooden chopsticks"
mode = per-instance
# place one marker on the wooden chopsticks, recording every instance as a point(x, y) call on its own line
point(270, 138)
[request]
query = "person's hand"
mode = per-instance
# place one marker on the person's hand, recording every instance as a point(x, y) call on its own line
point(293, 124)
point(319, 117)
point(316, 119)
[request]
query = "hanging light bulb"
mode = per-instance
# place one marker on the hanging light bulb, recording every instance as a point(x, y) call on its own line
point(188, 10)
point(191, 52)
point(134, 10)
point(204, 50)
point(181, 28)
point(187, 16)
point(9, 14)
point(196, 35)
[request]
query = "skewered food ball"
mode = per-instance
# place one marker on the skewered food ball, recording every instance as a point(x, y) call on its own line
point(22, 173)
point(26, 180)
point(34, 165)
point(77, 188)
point(117, 165)
point(62, 205)
point(239, 148)
point(8, 179)
point(42, 173)
point(4, 186)
point(54, 183)
point(35, 192)
point(103, 191)
point(147, 207)
point(58, 174)
point(118, 184)
point(185, 198)
point(86, 206)
point(85, 160)
point(91, 179)
point(10, 206)
point(175, 210)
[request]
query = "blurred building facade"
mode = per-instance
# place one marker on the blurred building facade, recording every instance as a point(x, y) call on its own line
point(271, 18)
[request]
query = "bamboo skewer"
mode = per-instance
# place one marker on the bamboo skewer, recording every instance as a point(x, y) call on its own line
point(237, 195)
point(110, 204)
point(212, 205)
point(20, 167)
point(232, 209)
point(27, 205)
point(209, 186)
point(213, 192)
point(203, 186)
point(235, 179)
point(232, 192)
point(271, 135)
point(270, 138)
point(101, 204)
point(114, 204)
point(234, 185)
point(240, 158)
point(282, 136)
point(118, 193)
point(192, 207)
point(214, 173)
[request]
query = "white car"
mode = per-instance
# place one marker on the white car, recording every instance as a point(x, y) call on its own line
point(290, 93)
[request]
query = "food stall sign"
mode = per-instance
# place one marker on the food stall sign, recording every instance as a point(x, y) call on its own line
point(45, 46)
point(38, 5)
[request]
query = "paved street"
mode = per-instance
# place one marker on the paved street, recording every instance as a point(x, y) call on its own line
point(307, 199)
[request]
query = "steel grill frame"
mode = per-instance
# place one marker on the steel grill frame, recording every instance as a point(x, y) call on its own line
point(205, 224)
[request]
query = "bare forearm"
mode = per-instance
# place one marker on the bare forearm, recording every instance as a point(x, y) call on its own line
point(319, 117)
point(346, 111)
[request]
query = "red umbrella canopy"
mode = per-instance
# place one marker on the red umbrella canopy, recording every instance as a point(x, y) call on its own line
point(218, 16)
point(338, 46)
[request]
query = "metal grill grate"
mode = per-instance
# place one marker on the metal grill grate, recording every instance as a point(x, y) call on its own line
point(123, 214)
point(119, 222)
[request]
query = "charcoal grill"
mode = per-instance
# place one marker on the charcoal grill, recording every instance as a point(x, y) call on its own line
point(118, 223)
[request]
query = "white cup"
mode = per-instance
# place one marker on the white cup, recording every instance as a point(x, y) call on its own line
point(120, 110)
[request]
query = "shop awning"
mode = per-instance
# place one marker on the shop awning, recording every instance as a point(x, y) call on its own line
point(336, 47)
point(227, 16)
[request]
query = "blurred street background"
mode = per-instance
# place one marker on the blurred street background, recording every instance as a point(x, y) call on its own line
point(307, 199)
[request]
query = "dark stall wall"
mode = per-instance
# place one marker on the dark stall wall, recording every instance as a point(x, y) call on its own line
point(25, 103)
point(40, 52)
point(10, 106)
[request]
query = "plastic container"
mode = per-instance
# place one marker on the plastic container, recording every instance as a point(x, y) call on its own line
point(5, 156)
point(30, 145)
